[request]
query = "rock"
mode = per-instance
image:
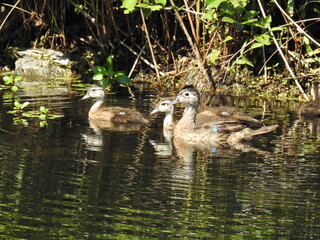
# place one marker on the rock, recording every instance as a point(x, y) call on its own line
point(46, 63)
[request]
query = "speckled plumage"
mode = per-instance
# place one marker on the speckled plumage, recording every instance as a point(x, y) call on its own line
point(215, 132)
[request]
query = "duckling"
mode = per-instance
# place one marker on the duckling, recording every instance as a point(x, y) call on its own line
point(207, 115)
point(116, 115)
point(312, 109)
point(213, 133)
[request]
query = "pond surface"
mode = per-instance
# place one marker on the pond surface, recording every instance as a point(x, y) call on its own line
point(71, 181)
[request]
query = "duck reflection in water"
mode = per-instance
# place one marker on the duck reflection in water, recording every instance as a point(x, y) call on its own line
point(108, 118)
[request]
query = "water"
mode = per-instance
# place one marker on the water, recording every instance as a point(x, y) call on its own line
point(70, 181)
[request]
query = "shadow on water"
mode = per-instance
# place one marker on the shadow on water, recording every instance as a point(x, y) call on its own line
point(74, 180)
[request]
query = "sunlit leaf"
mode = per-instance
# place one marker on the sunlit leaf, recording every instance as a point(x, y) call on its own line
point(14, 88)
point(99, 69)
point(228, 20)
point(43, 124)
point(161, 2)
point(17, 104)
point(44, 109)
point(23, 105)
point(213, 3)
point(244, 61)
point(98, 76)
point(129, 4)
point(266, 22)
point(228, 38)
point(156, 7)
point(263, 38)
point(109, 65)
point(276, 29)
point(143, 5)
point(18, 78)
point(8, 79)
point(256, 45)
point(214, 55)
point(42, 117)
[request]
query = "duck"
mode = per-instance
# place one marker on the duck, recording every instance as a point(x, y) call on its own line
point(212, 133)
point(312, 109)
point(115, 115)
point(206, 115)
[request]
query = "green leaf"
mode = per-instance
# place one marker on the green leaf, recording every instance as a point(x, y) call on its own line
point(161, 2)
point(156, 7)
point(18, 78)
point(122, 78)
point(109, 65)
point(8, 80)
point(266, 22)
point(42, 117)
point(43, 124)
point(17, 104)
point(237, 25)
point(99, 69)
point(228, 38)
point(105, 82)
point(143, 5)
point(244, 61)
point(256, 45)
point(129, 4)
point(14, 88)
point(214, 55)
point(276, 29)
point(44, 109)
point(249, 15)
point(213, 3)
point(23, 105)
point(263, 38)
point(98, 76)
point(210, 15)
point(228, 20)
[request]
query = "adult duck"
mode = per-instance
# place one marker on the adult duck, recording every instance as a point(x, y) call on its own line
point(211, 133)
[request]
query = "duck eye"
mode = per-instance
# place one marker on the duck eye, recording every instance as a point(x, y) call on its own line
point(186, 94)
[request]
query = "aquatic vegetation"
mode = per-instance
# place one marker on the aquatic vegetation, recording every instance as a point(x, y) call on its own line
point(21, 113)
point(108, 77)
point(9, 82)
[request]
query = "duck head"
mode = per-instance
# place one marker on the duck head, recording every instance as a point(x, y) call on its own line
point(163, 106)
point(188, 96)
point(95, 92)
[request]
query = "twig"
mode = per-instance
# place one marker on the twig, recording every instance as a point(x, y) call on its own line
point(193, 46)
point(282, 55)
point(136, 61)
point(142, 58)
point(295, 24)
point(149, 43)
point(11, 10)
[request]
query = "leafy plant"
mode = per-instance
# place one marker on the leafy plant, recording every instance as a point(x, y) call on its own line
point(108, 77)
point(20, 112)
point(10, 80)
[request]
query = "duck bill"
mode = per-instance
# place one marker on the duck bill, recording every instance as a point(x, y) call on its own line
point(174, 101)
point(85, 97)
point(156, 110)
